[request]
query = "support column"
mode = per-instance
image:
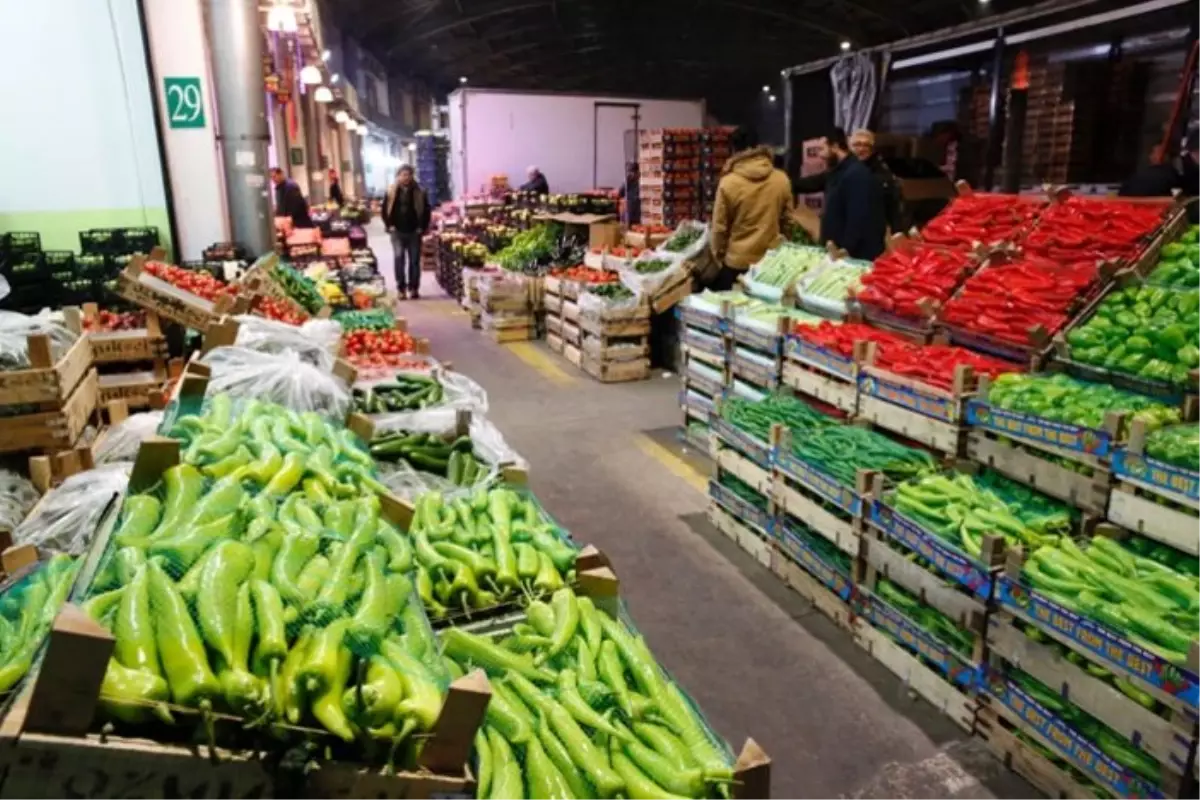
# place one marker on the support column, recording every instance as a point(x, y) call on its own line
point(995, 134)
point(312, 147)
point(357, 142)
point(236, 45)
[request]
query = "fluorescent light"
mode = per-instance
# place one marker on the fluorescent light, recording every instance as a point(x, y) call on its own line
point(325, 54)
point(323, 95)
point(845, 44)
point(281, 19)
point(341, 117)
point(462, 79)
point(334, 78)
point(771, 98)
point(311, 76)
point(412, 145)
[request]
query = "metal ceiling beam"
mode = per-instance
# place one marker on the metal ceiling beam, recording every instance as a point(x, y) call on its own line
point(499, 9)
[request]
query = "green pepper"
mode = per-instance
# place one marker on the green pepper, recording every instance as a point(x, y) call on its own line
point(180, 648)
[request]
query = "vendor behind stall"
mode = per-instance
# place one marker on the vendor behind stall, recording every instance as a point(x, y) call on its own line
point(753, 201)
point(854, 215)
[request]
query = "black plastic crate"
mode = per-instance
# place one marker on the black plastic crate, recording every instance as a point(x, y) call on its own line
point(24, 268)
point(59, 260)
point(138, 240)
point(101, 241)
point(21, 242)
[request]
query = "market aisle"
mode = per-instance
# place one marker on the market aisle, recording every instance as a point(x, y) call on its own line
point(757, 658)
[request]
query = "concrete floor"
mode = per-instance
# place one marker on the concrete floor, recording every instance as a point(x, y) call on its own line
point(758, 659)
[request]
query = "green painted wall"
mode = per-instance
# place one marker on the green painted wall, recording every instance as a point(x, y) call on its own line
point(60, 229)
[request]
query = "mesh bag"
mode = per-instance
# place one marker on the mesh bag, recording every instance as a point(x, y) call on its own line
point(66, 519)
point(122, 441)
point(283, 378)
point(264, 564)
point(17, 496)
point(315, 342)
point(29, 603)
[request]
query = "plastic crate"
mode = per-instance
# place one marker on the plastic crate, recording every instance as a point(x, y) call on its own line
point(21, 242)
point(101, 241)
point(138, 240)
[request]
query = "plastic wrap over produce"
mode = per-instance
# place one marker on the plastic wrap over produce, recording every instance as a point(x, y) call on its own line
point(69, 514)
point(416, 389)
point(621, 299)
point(15, 330)
point(651, 270)
point(688, 240)
point(412, 473)
point(283, 378)
point(17, 496)
point(316, 341)
point(122, 441)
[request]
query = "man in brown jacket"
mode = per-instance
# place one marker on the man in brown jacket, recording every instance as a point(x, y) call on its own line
point(753, 201)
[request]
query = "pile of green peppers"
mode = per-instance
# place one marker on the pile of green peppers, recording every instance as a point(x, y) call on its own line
point(1179, 262)
point(1064, 399)
point(1153, 602)
point(475, 553)
point(743, 490)
point(1176, 444)
point(580, 708)
point(934, 622)
point(1148, 331)
point(961, 511)
point(299, 287)
point(374, 319)
point(1115, 746)
point(757, 417)
point(261, 580)
point(27, 610)
point(842, 450)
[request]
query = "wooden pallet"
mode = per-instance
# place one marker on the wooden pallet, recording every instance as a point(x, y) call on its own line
point(1001, 739)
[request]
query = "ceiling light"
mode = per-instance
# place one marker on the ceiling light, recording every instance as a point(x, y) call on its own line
point(325, 54)
point(311, 76)
point(341, 117)
point(462, 79)
point(771, 98)
point(323, 95)
point(845, 44)
point(412, 145)
point(766, 88)
point(334, 78)
point(783, 72)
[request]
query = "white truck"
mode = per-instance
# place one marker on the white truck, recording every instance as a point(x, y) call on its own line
point(579, 142)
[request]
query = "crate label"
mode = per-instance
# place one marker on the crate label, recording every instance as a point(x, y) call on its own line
point(818, 482)
point(739, 508)
point(698, 318)
point(914, 638)
point(752, 371)
point(756, 450)
point(704, 342)
point(927, 403)
point(819, 358)
point(173, 308)
point(1089, 441)
point(1156, 473)
point(769, 342)
point(830, 576)
point(1070, 744)
point(1106, 645)
point(948, 560)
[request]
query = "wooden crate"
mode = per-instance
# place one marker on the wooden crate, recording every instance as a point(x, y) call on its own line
point(554, 342)
point(812, 579)
point(626, 348)
point(133, 388)
point(172, 303)
point(566, 289)
point(571, 334)
point(616, 371)
point(755, 542)
point(727, 457)
point(46, 380)
point(139, 344)
point(52, 468)
point(672, 292)
point(608, 328)
point(1029, 467)
point(56, 429)
point(572, 353)
point(1001, 738)
point(927, 414)
point(816, 372)
point(1156, 499)
point(503, 335)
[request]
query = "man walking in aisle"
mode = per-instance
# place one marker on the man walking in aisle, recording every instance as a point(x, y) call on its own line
point(854, 217)
point(406, 214)
point(753, 203)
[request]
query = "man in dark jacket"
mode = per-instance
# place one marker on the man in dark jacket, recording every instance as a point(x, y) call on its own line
point(289, 200)
point(406, 214)
point(862, 144)
point(853, 217)
point(1160, 180)
point(536, 183)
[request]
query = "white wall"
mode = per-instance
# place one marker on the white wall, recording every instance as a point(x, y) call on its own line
point(507, 132)
point(77, 143)
point(179, 49)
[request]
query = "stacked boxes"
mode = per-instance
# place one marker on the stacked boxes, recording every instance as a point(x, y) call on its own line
point(669, 182)
point(505, 307)
point(433, 172)
point(715, 150)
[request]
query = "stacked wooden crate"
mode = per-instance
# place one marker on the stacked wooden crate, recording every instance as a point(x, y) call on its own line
point(669, 175)
point(131, 364)
point(615, 343)
point(506, 307)
point(46, 406)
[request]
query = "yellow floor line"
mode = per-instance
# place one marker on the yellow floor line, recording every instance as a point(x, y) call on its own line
point(541, 361)
point(674, 464)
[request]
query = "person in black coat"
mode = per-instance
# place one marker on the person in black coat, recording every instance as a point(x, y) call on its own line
point(335, 189)
point(289, 200)
point(406, 215)
point(536, 183)
point(854, 217)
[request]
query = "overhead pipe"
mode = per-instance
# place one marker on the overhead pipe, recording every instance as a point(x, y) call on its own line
point(242, 132)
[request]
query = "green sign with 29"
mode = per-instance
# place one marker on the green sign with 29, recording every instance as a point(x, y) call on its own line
point(185, 102)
